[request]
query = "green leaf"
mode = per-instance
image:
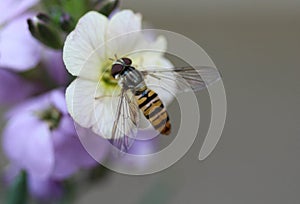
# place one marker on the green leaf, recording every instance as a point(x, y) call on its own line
point(18, 190)
point(76, 8)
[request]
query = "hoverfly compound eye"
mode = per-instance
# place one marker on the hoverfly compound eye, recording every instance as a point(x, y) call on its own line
point(116, 69)
point(127, 61)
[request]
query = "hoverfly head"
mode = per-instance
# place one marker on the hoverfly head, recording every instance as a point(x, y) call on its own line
point(119, 66)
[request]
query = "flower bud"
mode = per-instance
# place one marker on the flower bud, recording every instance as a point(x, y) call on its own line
point(67, 23)
point(44, 30)
point(62, 19)
point(106, 7)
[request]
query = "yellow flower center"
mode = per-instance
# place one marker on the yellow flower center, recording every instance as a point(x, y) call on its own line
point(107, 81)
point(51, 116)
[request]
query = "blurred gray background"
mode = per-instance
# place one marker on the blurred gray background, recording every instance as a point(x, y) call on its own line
point(256, 45)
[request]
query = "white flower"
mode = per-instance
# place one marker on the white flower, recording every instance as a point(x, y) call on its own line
point(86, 55)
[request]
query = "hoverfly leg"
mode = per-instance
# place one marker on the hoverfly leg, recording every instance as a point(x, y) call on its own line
point(101, 97)
point(154, 76)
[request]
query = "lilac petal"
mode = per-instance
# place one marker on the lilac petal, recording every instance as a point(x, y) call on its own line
point(53, 98)
point(37, 104)
point(143, 147)
point(95, 145)
point(44, 188)
point(140, 147)
point(64, 131)
point(27, 142)
point(13, 8)
point(18, 49)
point(85, 160)
point(70, 157)
point(10, 173)
point(13, 88)
point(57, 98)
point(55, 67)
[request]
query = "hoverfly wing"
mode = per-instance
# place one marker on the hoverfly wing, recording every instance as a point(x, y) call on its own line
point(186, 78)
point(126, 121)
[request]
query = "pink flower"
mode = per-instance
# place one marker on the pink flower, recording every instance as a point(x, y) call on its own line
point(40, 138)
point(19, 51)
point(13, 88)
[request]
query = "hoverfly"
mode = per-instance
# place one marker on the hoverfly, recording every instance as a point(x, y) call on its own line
point(135, 95)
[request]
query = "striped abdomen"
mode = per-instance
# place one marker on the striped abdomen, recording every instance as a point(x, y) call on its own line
point(154, 110)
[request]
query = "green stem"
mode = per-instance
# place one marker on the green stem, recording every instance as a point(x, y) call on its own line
point(17, 193)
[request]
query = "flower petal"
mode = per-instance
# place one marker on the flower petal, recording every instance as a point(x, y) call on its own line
point(13, 8)
point(58, 100)
point(13, 88)
point(82, 43)
point(55, 66)
point(90, 107)
point(18, 49)
point(71, 156)
point(44, 188)
point(141, 148)
point(80, 97)
point(35, 104)
point(10, 173)
point(122, 35)
point(148, 49)
point(64, 131)
point(27, 142)
point(96, 146)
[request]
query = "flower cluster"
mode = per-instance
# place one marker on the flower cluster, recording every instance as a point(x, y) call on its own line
point(39, 137)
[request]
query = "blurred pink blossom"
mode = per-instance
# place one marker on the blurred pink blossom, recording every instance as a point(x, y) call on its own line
point(19, 51)
point(46, 148)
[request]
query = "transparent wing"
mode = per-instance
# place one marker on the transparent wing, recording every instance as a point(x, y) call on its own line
point(125, 122)
point(185, 78)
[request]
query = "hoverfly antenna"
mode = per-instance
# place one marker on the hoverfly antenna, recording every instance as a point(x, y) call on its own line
point(116, 57)
point(114, 60)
